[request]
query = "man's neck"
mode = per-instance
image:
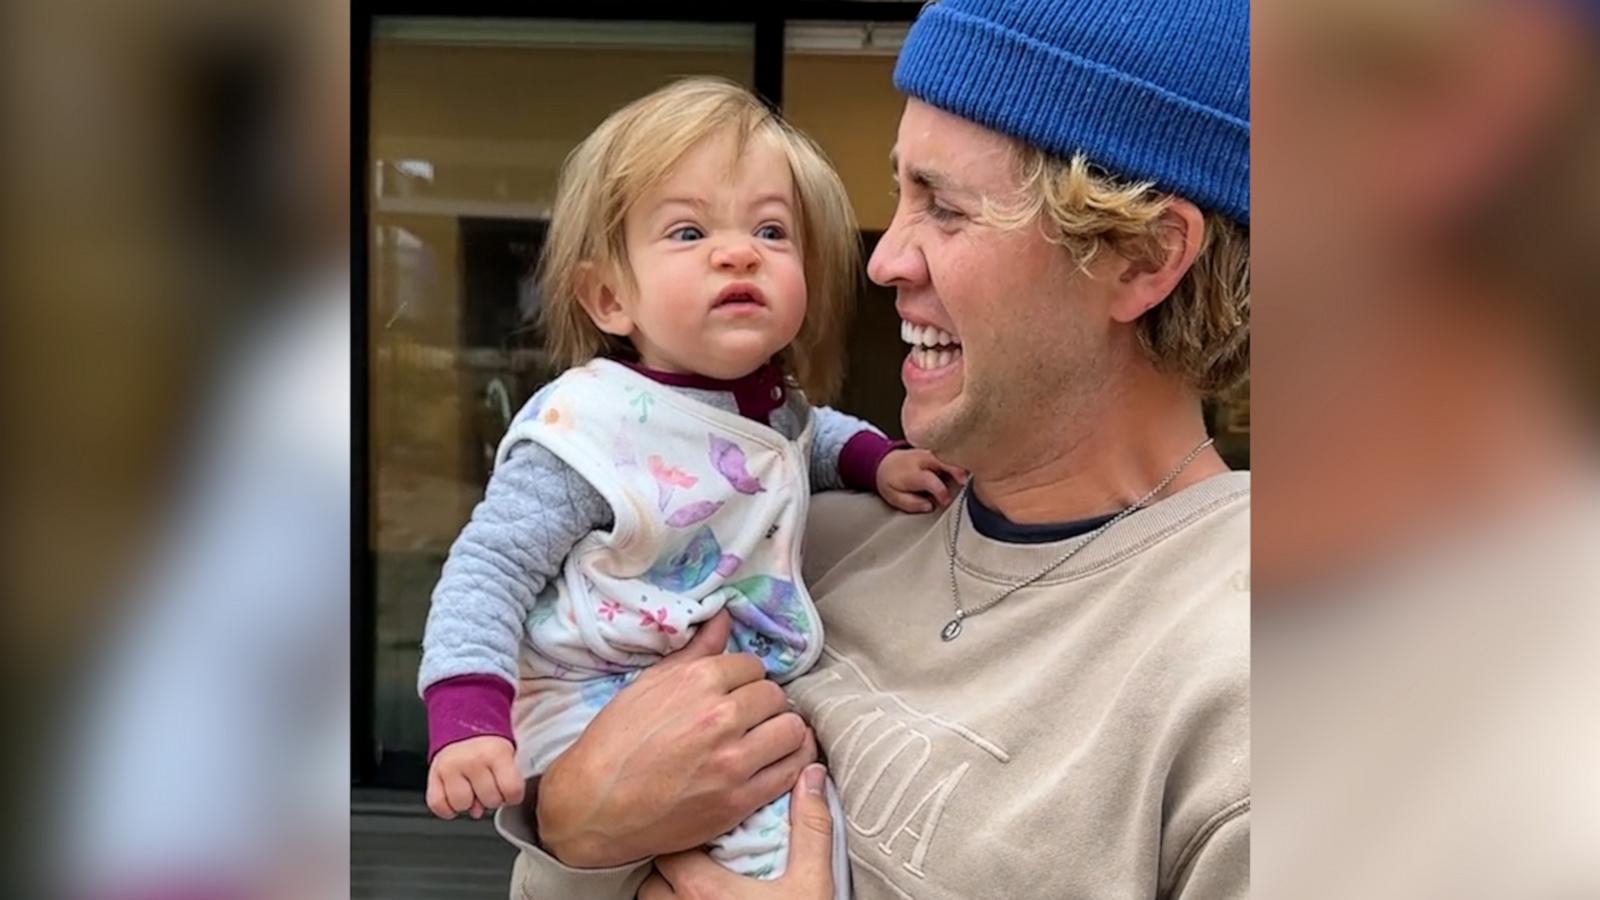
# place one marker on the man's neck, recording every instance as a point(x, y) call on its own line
point(1102, 463)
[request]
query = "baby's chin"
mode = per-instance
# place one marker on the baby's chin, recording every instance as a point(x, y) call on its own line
point(736, 359)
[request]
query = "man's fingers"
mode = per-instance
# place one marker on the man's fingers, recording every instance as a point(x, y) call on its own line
point(655, 888)
point(772, 782)
point(710, 639)
point(755, 703)
point(438, 804)
point(773, 740)
point(810, 832)
point(696, 867)
point(731, 671)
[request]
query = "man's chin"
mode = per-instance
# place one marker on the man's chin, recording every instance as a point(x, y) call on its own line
point(933, 429)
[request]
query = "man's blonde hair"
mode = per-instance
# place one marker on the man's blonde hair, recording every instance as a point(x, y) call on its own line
point(1201, 332)
point(636, 147)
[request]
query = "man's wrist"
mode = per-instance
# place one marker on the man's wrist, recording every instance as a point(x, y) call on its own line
point(551, 826)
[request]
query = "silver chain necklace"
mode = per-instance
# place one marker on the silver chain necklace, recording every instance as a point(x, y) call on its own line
point(953, 629)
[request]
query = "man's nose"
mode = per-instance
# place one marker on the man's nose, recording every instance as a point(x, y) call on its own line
point(894, 262)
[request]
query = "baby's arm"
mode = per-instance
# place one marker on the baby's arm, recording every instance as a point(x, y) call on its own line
point(533, 512)
point(847, 452)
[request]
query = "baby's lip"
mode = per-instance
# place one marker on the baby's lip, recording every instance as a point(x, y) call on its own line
point(741, 291)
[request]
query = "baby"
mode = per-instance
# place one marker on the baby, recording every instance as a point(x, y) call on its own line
point(700, 264)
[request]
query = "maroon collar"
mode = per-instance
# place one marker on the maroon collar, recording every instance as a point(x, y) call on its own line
point(757, 394)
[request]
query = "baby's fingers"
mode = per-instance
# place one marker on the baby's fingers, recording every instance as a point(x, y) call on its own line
point(929, 482)
point(906, 501)
point(438, 804)
point(955, 472)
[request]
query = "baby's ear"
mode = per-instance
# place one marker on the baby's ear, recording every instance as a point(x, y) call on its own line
point(599, 294)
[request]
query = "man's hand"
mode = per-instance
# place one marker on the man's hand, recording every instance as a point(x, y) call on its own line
point(681, 755)
point(809, 876)
point(473, 775)
point(913, 480)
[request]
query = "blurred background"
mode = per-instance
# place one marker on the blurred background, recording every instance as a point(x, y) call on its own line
point(249, 397)
point(1426, 221)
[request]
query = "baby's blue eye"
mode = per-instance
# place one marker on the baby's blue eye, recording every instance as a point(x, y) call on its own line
point(771, 233)
point(686, 233)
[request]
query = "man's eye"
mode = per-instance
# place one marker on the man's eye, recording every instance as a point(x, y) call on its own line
point(942, 213)
point(686, 233)
point(771, 233)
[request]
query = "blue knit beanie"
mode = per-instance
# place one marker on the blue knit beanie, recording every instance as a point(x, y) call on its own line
point(1155, 90)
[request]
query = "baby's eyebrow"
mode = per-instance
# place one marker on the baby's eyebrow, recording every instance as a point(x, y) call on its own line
point(695, 202)
point(771, 198)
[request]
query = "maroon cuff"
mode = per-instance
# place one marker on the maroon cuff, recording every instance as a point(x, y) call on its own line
point(860, 458)
point(467, 706)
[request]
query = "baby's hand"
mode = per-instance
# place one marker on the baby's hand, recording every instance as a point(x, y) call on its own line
point(908, 478)
point(473, 775)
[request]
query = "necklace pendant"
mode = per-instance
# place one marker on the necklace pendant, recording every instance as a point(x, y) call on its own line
point(951, 631)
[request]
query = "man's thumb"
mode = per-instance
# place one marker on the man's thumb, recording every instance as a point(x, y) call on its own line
point(810, 829)
point(709, 639)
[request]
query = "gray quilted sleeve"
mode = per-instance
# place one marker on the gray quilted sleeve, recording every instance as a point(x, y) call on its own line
point(833, 429)
point(535, 509)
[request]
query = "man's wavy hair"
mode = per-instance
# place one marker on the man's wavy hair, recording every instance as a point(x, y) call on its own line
point(1201, 332)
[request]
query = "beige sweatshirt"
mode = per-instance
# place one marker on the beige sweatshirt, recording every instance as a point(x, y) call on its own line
point(1088, 737)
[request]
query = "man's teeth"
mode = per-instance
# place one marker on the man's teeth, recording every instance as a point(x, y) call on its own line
point(926, 335)
point(929, 358)
point(930, 347)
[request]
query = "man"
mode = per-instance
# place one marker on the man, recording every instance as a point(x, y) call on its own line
point(1043, 692)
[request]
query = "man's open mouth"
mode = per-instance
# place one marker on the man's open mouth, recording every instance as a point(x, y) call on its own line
point(931, 348)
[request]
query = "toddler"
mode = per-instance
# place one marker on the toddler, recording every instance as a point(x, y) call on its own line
point(700, 263)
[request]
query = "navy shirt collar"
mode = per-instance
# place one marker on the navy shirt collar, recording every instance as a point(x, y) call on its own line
point(994, 525)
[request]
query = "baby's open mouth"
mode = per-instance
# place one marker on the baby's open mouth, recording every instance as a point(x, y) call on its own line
point(740, 296)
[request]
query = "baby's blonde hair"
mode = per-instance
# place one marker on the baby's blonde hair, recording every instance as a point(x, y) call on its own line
point(636, 147)
point(1202, 331)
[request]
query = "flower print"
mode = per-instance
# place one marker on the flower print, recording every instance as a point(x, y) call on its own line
point(658, 619)
point(641, 399)
point(730, 462)
point(667, 478)
point(609, 609)
point(660, 471)
point(694, 513)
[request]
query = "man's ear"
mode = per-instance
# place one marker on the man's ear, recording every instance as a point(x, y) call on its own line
point(597, 292)
point(1141, 285)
